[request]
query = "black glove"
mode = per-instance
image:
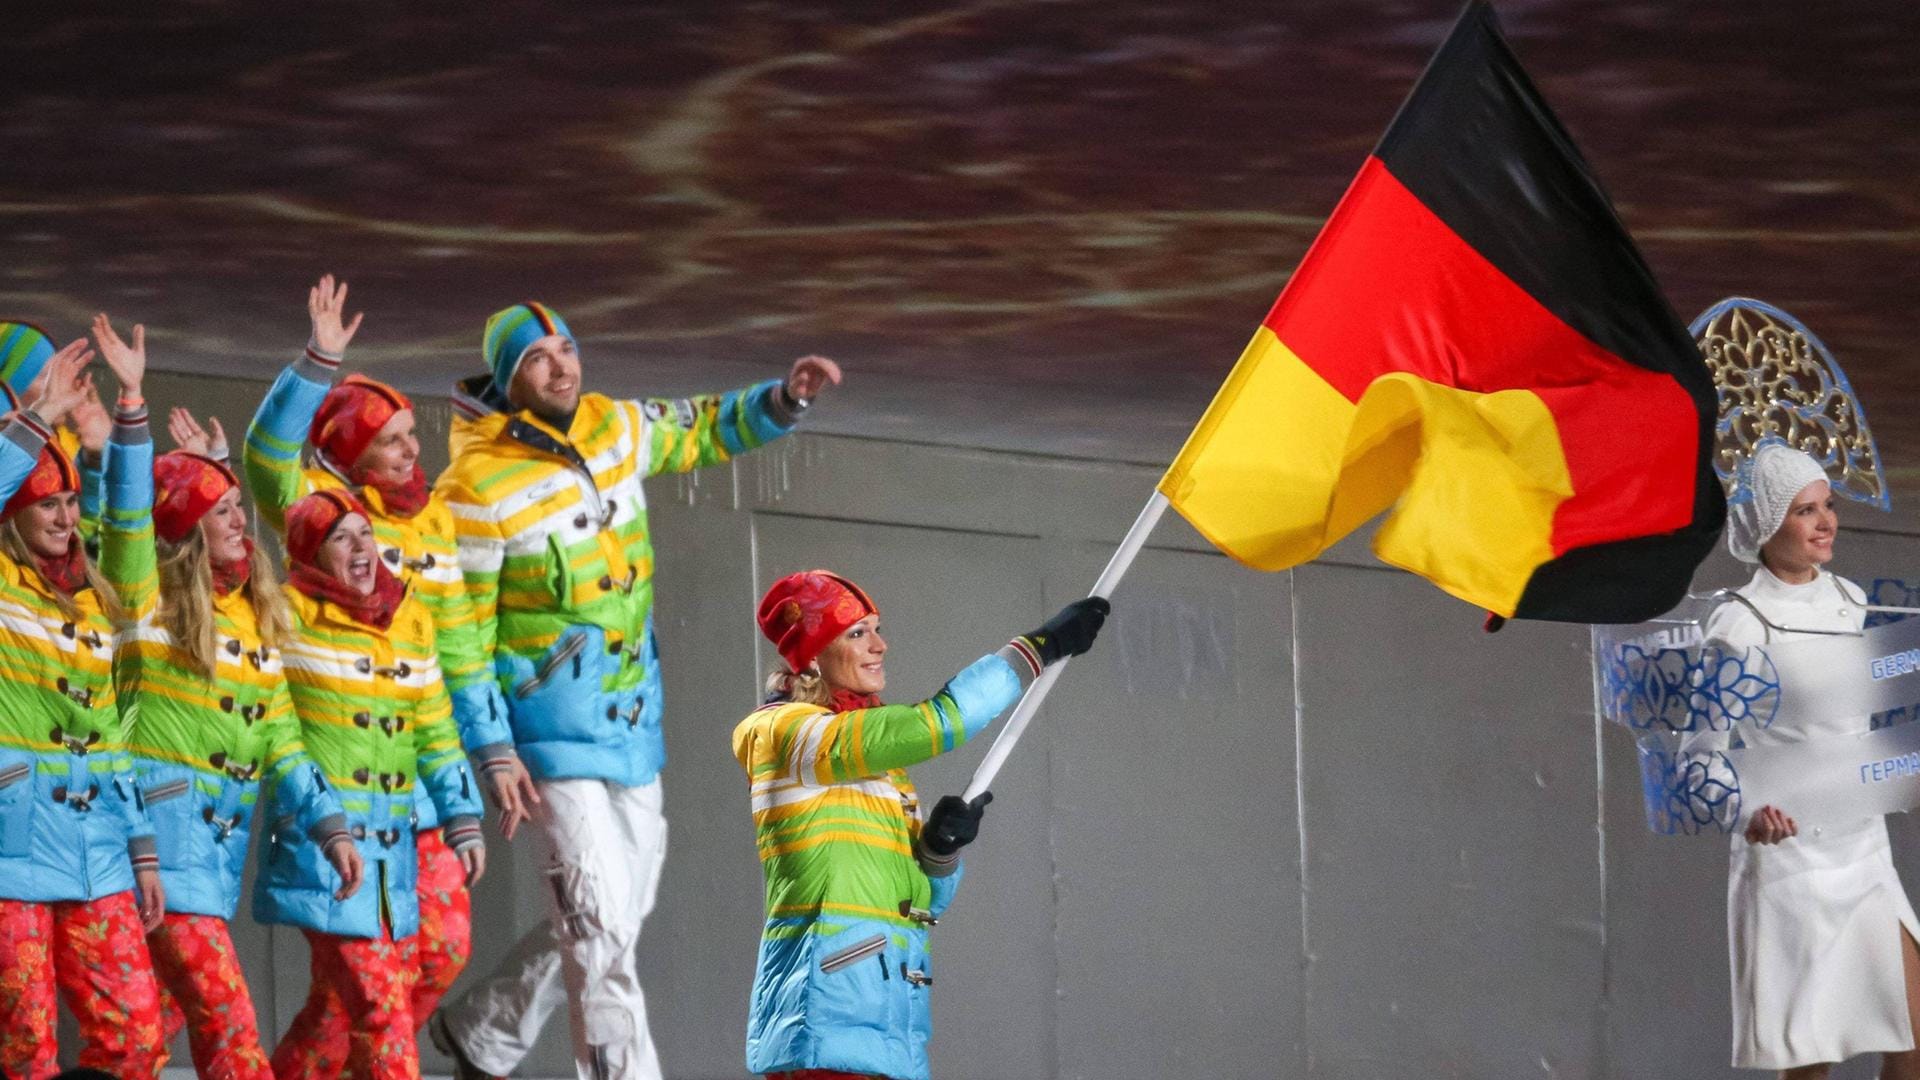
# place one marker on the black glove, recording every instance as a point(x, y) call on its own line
point(1071, 632)
point(954, 823)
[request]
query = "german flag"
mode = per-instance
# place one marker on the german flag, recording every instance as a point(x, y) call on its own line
point(1473, 345)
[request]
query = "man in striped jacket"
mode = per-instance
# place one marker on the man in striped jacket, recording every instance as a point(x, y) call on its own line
point(550, 519)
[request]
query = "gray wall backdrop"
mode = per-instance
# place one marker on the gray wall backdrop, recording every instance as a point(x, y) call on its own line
point(1311, 824)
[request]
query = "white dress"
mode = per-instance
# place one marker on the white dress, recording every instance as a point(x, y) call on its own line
point(1812, 922)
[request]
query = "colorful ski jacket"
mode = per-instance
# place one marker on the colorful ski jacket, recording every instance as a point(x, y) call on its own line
point(843, 972)
point(71, 823)
point(202, 748)
point(93, 483)
point(419, 550)
point(553, 537)
point(376, 719)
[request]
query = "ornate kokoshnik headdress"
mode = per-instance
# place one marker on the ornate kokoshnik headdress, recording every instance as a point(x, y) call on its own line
point(1778, 383)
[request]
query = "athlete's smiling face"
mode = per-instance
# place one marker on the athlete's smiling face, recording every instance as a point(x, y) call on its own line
point(347, 554)
point(224, 528)
point(547, 382)
point(392, 453)
point(855, 661)
point(48, 526)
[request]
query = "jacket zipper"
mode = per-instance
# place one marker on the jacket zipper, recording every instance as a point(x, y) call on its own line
point(170, 789)
point(857, 951)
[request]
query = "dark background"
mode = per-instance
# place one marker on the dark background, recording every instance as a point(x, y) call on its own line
point(1041, 226)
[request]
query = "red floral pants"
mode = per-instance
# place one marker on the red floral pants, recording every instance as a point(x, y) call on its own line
point(96, 954)
point(441, 948)
point(369, 981)
point(203, 989)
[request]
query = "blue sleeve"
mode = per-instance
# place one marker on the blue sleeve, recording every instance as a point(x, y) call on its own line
point(129, 472)
point(451, 785)
point(20, 444)
point(480, 712)
point(300, 787)
point(271, 453)
point(761, 413)
point(132, 809)
point(983, 690)
point(943, 890)
point(93, 484)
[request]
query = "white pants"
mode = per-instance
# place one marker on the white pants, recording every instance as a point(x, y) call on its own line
point(602, 846)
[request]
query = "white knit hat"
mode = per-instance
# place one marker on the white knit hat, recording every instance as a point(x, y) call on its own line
point(1759, 503)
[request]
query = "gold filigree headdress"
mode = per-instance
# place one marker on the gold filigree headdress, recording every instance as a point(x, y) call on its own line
point(1778, 383)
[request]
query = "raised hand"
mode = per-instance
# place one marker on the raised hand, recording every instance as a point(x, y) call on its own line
point(326, 305)
point(62, 384)
point(810, 375)
point(1072, 631)
point(129, 362)
point(954, 823)
point(188, 435)
point(91, 421)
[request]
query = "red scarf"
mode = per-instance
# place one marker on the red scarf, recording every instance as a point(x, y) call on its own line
point(847, 701)
point(375, 609)
point(401, 500)
point(68, 572)
point(230, 576)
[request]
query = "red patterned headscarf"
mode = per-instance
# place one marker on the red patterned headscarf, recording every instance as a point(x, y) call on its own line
point(185, 487)
point(351, 414)
point(312, 518)
point(802, 614)
point(53, 474)
point(309, 521)
point(349, 418)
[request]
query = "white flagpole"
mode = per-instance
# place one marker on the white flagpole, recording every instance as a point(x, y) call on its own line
point(1123, 557)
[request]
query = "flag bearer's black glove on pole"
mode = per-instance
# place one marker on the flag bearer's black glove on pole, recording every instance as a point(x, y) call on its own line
point(954, 823)
point(1071, 632)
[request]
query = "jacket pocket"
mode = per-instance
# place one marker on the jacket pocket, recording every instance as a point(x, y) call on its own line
point(16, 805)
point(559, 697)
point(172, 814)
point(856, 988)
point(852, 954)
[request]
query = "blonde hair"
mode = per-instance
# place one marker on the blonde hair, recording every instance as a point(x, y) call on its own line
point(186, 599)
point(15, 547)
point(802, 687)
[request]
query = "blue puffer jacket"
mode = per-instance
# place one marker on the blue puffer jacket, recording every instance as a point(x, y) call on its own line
point(71, 824)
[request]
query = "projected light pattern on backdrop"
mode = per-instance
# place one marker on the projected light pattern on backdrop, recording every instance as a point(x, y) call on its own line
point(1020, 214)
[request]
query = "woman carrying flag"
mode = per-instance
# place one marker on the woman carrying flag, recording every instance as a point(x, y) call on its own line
point(853, 878)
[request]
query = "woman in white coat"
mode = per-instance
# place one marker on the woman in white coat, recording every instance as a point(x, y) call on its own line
point(1821, 934)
